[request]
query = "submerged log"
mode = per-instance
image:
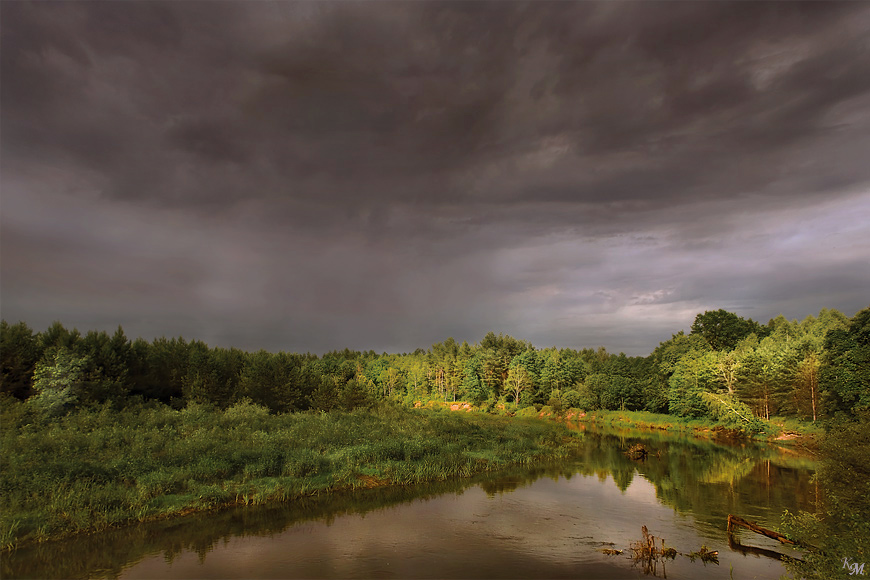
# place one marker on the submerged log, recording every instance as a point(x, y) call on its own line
point(738, 521)
point(738, 547)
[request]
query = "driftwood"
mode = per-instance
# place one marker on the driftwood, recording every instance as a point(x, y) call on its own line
point(738, 547)
point(735, 545)
point(738, 521)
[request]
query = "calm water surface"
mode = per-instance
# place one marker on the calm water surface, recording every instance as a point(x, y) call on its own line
point(550, 522)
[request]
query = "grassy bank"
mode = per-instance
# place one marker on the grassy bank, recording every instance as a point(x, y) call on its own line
point(646, 420)
point(789, 430)
point(92, 470)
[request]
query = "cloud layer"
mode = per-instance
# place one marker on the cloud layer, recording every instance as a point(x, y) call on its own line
point(309, 176)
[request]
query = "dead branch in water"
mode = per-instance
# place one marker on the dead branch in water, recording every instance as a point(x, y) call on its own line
point(738, 521)
point(738, 547)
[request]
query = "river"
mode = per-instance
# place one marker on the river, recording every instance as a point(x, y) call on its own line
point(547, 522)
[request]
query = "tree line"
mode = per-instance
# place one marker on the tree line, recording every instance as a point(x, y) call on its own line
point(726, 368)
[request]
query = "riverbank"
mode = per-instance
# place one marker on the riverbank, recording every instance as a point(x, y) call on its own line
point(789, 432)
point(93, 470)
point(800, 436)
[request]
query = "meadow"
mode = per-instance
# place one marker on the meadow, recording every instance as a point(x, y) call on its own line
point(94, 469)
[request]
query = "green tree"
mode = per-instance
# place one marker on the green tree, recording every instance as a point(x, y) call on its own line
point(767, 374)
point(58, 380)
point(261, 379)
point(57, 336)
point(552, 373)
point(494, 373)
point(693, 375)
point(108, 370)
point(722, 329)
point(354, 395)
point(19, 352)
point(528, 359)
point(324, 395)
point(624, 388)
point(618, 393)
point(815, 329)
point(473, 385)
point(416, 376)
point(806, 390)
point(166, 369)
point(845, 372)
point(561, 399)
point(518, 380)
point(465, 351)
point(728, 410)
point(662, 363)
point(213, 375)
point(728, 365)
point(592, 391)
point(390, 379)
point(499, 351)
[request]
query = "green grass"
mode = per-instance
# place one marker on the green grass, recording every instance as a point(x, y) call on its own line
point(646, 420)
point(92, 470)
point(697, 426)
point(800, 426)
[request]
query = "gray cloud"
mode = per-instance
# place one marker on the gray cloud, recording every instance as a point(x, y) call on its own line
point(308, 176)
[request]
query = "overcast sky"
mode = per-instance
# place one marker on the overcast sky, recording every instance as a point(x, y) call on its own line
point(384, 175)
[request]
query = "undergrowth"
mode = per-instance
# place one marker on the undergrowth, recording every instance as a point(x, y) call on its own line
point(94, 469)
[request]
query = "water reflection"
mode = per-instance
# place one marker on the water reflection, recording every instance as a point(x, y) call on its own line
point(704, 478)
point(546, 522)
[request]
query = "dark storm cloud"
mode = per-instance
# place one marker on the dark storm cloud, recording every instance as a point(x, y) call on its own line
point(386, 174)
point(401, 96)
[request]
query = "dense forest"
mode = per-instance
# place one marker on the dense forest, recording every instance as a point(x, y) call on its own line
point(726, 368)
